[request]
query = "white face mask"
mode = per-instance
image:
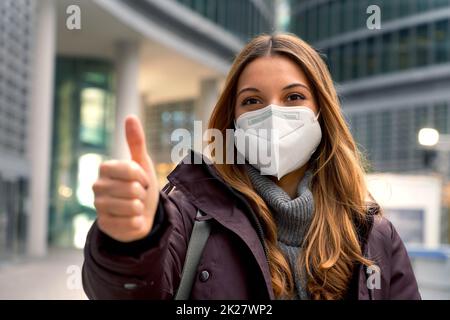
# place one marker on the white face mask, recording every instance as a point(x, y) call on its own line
point(277, 140)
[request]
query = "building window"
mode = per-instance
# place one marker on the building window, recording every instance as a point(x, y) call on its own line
point(300, 19)
point(340, 76)
point(441, 117)
point(404, 49)
point(359, 14)
point(212, 10)
point(311, 18)
point(343, 16)
point(355, 59)
point(242, 18)
point(422, 5)
point(323, 23)
point(371, 56)
point(84, 111)
point(386, 56)
point(422, 45)
point(441, 40)
point(161, 120)
point(404, 8)
point(406, 138)
point(420, 118)
point(93, 116)
point(371, 138)
point(346, 62)
point(335, 17)
point(333, 62)
point(439, 3)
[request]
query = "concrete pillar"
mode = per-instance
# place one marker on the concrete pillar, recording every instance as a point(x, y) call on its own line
point(208, 95)
point(128, 102)
point(40, 126)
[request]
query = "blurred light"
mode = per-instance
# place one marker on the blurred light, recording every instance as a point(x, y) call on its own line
point(65, 191)
point(428, 137)
point(92, 115)
point(88, 165)
point(81, 224)
point(282, 15)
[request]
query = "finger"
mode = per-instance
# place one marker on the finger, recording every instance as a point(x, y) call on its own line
point(119, 189)
point(136, 142)
point(119, 207)
point(124, 170)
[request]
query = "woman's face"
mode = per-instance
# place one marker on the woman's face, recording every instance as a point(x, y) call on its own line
point(272, 80)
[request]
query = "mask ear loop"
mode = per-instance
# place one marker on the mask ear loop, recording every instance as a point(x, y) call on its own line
point(317, 116)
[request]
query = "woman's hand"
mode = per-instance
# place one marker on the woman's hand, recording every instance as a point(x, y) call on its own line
point(126, 192)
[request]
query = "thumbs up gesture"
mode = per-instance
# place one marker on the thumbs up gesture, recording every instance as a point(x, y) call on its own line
point(126, 192)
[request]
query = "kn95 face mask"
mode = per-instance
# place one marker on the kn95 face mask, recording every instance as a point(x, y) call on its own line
point(277, 140)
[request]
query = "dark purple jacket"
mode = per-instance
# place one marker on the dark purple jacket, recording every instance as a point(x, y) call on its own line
point(234, 263)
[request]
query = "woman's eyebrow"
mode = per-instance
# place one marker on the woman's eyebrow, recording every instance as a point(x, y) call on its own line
point(292, 85)
point(247, 89)
point(296, 84)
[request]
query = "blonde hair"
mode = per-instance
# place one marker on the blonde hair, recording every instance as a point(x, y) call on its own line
point(331, 246)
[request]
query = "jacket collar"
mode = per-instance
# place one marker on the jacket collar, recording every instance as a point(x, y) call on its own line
point(207, 191)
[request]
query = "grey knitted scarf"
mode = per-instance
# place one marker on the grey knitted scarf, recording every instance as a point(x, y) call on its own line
point(292, 216)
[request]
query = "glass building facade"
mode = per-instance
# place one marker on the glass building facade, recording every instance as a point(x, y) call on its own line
point(243, 18)
point(15, 62)
point(82, 135)
point(392, 80)
point(324, 19)
point(85, 114)
point(161, 120)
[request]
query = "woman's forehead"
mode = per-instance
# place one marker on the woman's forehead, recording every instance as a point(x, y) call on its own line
point(271, 70)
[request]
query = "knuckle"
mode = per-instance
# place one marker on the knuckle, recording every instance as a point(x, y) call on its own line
point(104, 168)
point(135, 189)
point(99, 203)
point(131, 170)
point(97, 186)
point(136, 206)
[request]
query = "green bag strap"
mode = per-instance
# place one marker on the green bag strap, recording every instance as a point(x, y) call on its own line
point(197, 242)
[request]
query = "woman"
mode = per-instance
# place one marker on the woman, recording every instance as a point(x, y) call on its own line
point(301, 226)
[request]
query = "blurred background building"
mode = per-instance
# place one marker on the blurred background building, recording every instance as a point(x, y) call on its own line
point(392, 82)
point(66, 85)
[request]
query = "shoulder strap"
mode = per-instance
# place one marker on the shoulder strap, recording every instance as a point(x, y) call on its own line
point(197, 242)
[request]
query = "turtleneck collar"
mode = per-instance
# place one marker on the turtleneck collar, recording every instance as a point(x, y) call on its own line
point(292, 216)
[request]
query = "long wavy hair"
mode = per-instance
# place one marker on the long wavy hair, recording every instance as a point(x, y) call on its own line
point(331, 247)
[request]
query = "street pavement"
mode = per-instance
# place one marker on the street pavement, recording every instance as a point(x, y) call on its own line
point(54, 277)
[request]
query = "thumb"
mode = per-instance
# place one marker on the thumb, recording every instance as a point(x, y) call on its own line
point(136, 142)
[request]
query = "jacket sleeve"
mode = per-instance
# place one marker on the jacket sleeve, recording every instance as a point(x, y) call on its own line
point(145, 269)
point(403, 284)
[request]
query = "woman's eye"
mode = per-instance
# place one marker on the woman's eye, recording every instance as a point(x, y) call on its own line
point(250, 101)
point(296, 96)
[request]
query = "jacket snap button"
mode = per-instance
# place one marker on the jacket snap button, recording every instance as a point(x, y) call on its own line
point(204, 276)
point(130, 286)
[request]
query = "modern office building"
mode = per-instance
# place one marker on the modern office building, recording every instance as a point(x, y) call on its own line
point(392, 81)
point(15, 65)
point(71, 70)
